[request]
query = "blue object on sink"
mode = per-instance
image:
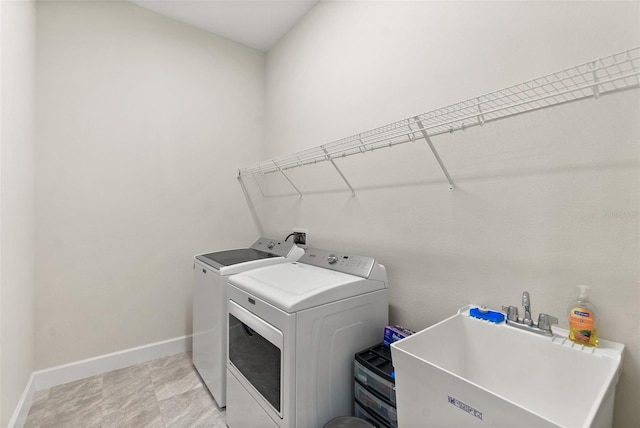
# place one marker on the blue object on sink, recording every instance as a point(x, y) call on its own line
point(492, 316)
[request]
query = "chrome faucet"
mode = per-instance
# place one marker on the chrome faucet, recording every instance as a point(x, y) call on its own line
point(544, 321)
point(526, 302)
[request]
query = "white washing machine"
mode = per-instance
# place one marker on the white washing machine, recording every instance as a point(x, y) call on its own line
point(293, 331)
point(210, 303)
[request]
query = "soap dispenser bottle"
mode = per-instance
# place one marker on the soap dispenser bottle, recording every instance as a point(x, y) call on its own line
point(583, 320)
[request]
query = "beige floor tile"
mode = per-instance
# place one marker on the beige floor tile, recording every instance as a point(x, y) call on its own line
point(125, 381)
point(143, 397)
point(125, 388)
point(191, 409)
point(37, 409)
point(79, 388)
point(146, 414)
point(73, 403)
point(173, 376)
point(159, 394)
point(73, 411)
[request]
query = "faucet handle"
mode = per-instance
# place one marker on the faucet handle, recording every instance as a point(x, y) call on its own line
point(526, 300)
point(512, 312)
point(545, 321)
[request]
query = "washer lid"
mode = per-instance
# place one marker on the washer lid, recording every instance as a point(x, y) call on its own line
point(297, 286)
point(263, 248)
point(232, 257)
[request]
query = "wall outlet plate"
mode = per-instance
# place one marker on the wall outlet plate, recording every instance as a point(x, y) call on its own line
point(300, 236)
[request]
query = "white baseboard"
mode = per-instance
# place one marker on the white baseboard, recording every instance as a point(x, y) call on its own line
point(47, 378)
point(105, 363)
point(19, 416)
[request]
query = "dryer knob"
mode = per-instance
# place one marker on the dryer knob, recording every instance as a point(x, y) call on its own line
point(332, 258)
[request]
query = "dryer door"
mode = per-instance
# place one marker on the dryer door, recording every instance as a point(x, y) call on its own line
point(255, 350)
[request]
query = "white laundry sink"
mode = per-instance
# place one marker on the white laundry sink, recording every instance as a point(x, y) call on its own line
point(469, 372)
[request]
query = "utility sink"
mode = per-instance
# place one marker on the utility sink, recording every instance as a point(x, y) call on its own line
point(465, 372)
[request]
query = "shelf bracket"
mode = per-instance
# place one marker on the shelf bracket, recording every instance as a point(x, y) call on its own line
point(434, 151)
point(252, 208)
point(288, 179)
point(480, 113)
point(258, 184)
point(353, 192)
point(596, 90)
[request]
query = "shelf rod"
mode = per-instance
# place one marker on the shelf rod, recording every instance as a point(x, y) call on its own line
point(506, 107)
point(435, 152)
point(353, 192)
point(288, 179)
point(522, 103)
point(591, 79)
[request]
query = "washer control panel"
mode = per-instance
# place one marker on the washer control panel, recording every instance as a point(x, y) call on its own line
point(341, 262)
point(272, 246)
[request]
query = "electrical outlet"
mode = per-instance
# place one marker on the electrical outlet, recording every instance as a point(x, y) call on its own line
point(300, 236)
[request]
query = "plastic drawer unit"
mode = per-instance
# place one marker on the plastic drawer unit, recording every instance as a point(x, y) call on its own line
point(374, 387)
point(376, 405)
point(361, 413)
point(373, 368)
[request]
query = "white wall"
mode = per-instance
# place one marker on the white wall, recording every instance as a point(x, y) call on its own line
point(142, 122)
point(17, 112)
point(544, 201)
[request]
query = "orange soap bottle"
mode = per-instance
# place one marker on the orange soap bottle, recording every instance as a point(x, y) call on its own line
point(583, 320)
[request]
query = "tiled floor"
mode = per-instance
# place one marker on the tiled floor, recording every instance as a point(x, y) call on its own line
point(164, 393)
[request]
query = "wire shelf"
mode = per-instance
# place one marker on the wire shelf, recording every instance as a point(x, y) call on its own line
point(610, 74)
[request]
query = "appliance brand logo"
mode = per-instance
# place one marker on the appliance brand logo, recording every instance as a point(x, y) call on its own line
point(460, 405)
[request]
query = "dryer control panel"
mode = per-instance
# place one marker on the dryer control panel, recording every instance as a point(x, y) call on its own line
point(341, 262)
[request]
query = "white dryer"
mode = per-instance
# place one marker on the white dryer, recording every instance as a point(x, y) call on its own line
point(293, 331)
point(210, 303)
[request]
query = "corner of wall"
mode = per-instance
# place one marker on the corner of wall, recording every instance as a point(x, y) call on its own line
point(17, 118)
